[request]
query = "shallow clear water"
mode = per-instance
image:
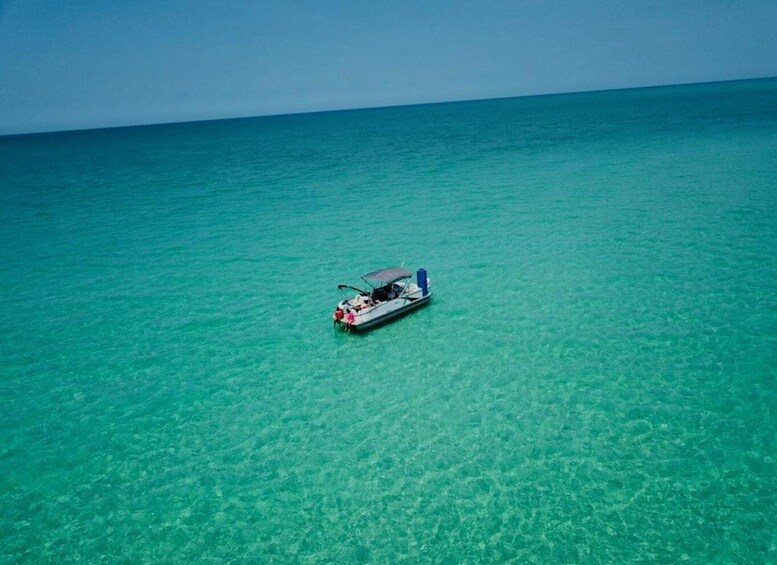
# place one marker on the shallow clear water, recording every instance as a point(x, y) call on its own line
point(595, 379)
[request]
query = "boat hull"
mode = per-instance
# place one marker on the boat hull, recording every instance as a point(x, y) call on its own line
point(374, 322)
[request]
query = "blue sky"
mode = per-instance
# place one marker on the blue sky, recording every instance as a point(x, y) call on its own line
point(93, 63)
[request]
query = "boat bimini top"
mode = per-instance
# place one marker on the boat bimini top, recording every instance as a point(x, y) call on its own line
point(387, 276)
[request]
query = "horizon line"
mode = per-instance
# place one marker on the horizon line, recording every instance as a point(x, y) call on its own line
point(381, 107)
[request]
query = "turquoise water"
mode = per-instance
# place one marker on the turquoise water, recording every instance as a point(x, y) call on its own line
point(595, 380)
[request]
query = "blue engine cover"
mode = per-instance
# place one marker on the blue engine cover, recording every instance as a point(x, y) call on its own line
point(421, 278)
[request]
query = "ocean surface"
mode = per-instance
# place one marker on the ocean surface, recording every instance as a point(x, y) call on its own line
point(594, 381)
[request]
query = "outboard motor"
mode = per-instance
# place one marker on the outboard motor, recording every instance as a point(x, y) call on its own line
point(421, 278)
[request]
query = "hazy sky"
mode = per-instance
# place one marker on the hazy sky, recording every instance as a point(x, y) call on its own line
point(94, 63)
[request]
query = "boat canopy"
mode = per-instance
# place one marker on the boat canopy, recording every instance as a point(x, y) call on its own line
point(390, 275)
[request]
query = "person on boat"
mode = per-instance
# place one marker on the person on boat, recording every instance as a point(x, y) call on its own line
point(350, 318)
point(339, 314)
